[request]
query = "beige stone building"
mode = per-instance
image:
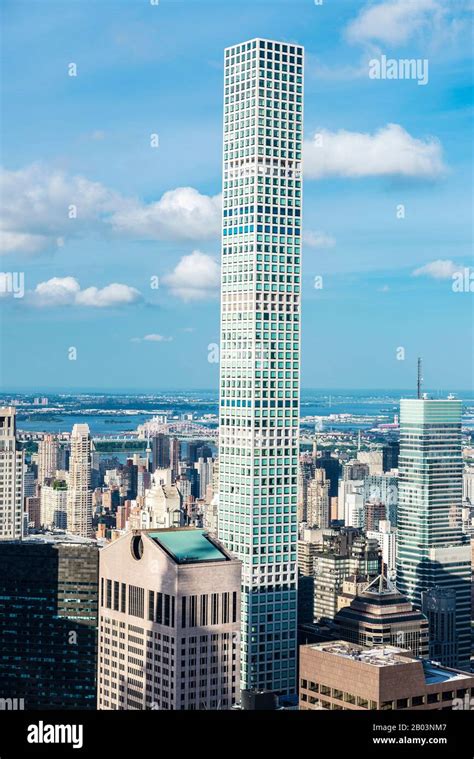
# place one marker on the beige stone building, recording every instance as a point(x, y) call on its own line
point(352, 586)
point(12, 460)
point(48, 458)
point(342, 676)
point(373, 459)
point(318, 500)
point(309, 544)
point(79, 493)
point(169, 622)
point(161, 507)
point(53, 500)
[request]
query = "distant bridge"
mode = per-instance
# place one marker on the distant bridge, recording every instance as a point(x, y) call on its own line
point(181, 429)
point(184, 430)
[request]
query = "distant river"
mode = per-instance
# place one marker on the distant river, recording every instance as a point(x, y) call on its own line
point(373, 404)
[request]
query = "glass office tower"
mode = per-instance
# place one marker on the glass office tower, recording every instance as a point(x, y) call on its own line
point(432, 551)
point(48, 622)
point(260, 348)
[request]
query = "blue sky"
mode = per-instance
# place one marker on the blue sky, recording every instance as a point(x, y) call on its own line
point(84, 141)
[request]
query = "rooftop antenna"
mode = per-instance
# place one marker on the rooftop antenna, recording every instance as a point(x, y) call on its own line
point(420, 379)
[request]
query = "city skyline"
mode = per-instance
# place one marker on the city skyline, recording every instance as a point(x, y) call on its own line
point(231, 235)
point(128, 230)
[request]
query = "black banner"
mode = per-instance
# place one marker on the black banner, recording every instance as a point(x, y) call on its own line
point(69, 733)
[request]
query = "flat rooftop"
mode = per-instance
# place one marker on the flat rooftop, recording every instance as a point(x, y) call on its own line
point(435, 673)
point(188, 546)
point(385, 656)
point(389, 656)
point(54, 538)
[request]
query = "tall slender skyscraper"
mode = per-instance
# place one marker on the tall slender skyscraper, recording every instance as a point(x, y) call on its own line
point(260, 348)
point(432, 552)
point(11, 477)
point(48, 456)
point(79, 494)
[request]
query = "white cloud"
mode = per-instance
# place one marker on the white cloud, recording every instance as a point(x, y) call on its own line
point(36, 207)
point(16, 242)
point(58, 291)
point(440, 269)
point(153, 338)
point(110, 295)
point(391, 151)
point(37, 211)
point(318, 239)
point(195, 277)
point(394, 21)
point(66, 291)
point(181, 214)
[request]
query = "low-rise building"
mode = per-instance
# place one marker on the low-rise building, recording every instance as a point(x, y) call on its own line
point(342, 676)
point(54, 504)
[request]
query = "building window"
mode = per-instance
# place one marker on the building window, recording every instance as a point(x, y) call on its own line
point(159, 608)
point(203, 610)
point(167, 610)
point(192, 611)
point(116, 595)
point(214, 609)
point(136, 597)
point(151, 606)
point(225, 608)
point(124, 598)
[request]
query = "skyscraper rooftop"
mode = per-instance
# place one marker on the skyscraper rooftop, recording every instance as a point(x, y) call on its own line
point(189, 546)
